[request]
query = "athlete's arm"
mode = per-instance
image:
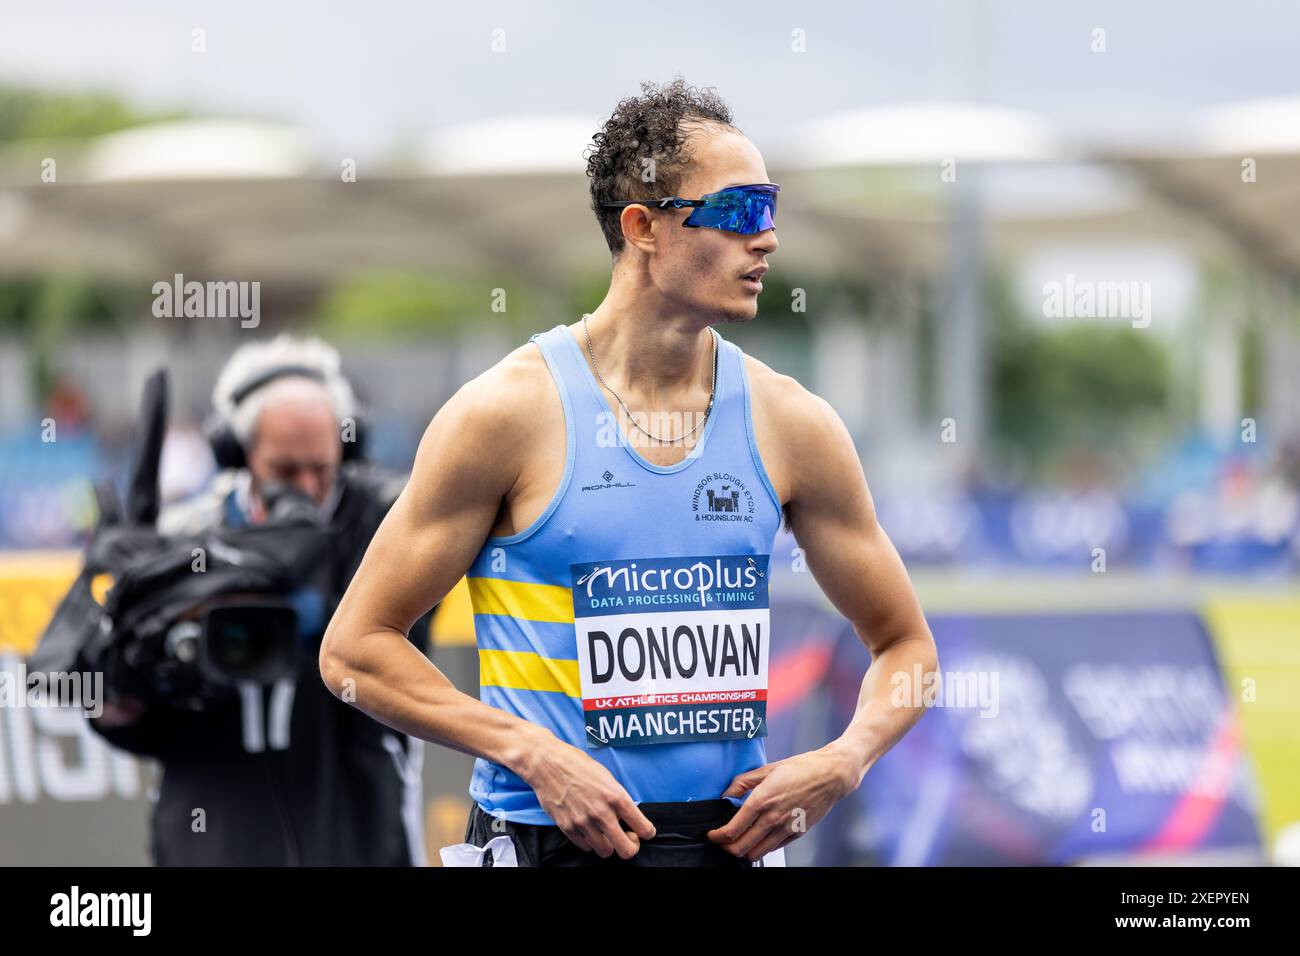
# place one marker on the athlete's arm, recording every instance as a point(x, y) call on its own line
point(834, 522)
point(467, 463)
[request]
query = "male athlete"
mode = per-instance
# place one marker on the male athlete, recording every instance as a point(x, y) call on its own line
point(611, 489)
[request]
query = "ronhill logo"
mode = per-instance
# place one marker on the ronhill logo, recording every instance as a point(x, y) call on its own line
point(608, 477)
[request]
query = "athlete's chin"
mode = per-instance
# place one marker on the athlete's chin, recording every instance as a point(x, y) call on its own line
point(745, 311)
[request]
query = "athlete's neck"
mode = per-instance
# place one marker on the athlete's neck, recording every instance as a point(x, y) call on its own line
point(657, 358)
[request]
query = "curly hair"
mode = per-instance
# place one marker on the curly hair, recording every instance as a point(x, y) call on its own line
point(646, 134)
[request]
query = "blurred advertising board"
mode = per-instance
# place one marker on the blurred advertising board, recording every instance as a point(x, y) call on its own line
point(1057, 739)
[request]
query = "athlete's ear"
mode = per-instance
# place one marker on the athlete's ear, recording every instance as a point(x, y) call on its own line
point(638, 228)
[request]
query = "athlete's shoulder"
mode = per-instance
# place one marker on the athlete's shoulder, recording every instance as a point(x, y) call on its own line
point(511, 393)
point(494, 421)
point(799, 433)
point(520, 369)
point(784, 401)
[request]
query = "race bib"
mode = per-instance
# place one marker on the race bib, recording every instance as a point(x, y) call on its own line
point(672, 650)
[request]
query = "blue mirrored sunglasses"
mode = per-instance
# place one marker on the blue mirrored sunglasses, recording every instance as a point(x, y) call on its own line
point(741, 209)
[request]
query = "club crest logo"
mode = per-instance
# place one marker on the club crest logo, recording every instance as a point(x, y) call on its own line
point(721, 496)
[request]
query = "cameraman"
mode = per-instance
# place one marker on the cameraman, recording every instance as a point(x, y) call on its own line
point(282, 773)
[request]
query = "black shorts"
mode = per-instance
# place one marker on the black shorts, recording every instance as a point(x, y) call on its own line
point(680, 838)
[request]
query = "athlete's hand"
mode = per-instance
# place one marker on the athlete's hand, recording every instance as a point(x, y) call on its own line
point(587, 803)
point(786, 799)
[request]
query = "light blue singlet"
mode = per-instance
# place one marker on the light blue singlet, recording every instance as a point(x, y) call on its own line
point(631, 618)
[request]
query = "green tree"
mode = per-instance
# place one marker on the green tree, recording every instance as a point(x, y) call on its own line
point(27, 113)
point(1094, 385)
point(405, 304)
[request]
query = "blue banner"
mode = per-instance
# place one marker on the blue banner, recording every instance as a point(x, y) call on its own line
point(1052, 738)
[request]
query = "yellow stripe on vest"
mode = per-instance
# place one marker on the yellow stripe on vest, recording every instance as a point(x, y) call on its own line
point(548, 603)
point(525, 670)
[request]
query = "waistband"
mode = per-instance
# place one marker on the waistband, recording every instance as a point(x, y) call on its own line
point(692, 817)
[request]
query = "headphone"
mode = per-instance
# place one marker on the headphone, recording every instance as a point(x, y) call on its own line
point(229, 451)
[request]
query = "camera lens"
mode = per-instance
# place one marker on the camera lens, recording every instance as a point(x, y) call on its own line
point(250, 642)
point(236, 646)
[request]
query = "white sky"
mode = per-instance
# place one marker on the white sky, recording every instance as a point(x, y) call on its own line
point(365, 76)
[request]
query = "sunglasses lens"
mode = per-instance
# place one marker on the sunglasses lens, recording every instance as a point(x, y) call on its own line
point(745, 210)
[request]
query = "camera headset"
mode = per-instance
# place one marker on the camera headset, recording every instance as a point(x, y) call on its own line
point(228, 450)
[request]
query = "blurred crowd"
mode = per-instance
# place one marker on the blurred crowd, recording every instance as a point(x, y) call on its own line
point(1198, 507)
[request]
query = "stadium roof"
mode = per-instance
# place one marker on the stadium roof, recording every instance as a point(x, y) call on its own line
point(199, 149)
point(862, 191)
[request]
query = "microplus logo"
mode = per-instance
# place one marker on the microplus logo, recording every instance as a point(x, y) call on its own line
point(103, 909)
point(209, 300)
point(672, 577)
